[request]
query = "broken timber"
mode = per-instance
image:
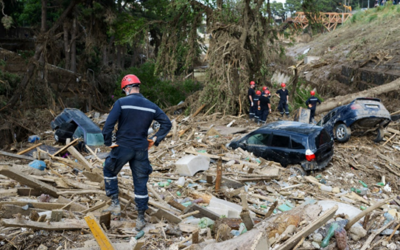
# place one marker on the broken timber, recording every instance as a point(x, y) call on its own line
point(223, 158)
point(289, 244)
point(29, 149)
point(98, 233)
point(17, 156)
point(63, 149)
point(29, 181)
point(52, 226)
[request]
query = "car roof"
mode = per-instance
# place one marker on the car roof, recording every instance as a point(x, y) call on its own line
point(292, 127)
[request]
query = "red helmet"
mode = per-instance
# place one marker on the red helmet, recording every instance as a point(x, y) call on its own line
point(283, 85)
point(312, 92)
point(258, 92)
point(264, 88)
point(252, 83)
point(267, 92)
point(129, 80)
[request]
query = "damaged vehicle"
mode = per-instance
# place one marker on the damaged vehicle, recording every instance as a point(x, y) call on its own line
point(289, 143)
point(73, 123)
point(361, 116)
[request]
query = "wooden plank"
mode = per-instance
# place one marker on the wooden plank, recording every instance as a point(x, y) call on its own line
point(365, 212)
point(63, 149)
point(29, 149)
point(98, 233)
point(29, 181)
point(41, 205)
point(17, 156)
point(204, 212)
point(96, 207)
point(82, 192)
point(8, 211)
point(170, 200)
point(80, 158)
point(321, 220)
point(73, 206)
point(161, 213)
point(53, 226)
point(223, 158)
point(105, 219)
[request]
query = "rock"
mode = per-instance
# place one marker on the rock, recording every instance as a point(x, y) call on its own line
point(191, 164)
point(335, 190)
point(317, 237)
point(392, 246)
point(226, 208)
point(357, 232)
point(42, 247)
point(316, 245)
point(306, 244)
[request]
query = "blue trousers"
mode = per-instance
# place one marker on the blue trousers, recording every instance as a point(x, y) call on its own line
point(283, 106)
point(264, 115)
point(140, 167)
point(252, 111)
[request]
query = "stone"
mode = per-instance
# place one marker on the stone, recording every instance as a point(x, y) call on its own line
point(317, 237)
point(223, 207)
point(42, 247)
point(309, 59)
point(191, 164)
point(316, 245)
point(357, 232)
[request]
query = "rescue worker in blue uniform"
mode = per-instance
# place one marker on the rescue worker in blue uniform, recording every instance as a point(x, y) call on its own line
point(283, 95)
point(251, 93)
point(312, 104)
point(265, 105)
point(134, 114)
point(258, 109)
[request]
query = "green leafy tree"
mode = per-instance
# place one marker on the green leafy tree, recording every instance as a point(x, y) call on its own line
point(278, 10)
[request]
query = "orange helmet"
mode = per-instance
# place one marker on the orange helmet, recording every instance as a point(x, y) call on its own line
point(129, 80)
point(264, 88)
point(267, 92)
point(283, 85)
point(312, 92)
point(258, 92)
point(252, 83)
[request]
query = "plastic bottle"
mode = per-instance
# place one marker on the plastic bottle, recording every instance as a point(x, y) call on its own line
point(242, 228)
point(326, 188)
point(163, 184)
point(178, 193)
point(380, 184)
point(181, 181)
point(329, 235)
point(205, 222)
point(363, 183)
point(341, 239)
point(33, 138)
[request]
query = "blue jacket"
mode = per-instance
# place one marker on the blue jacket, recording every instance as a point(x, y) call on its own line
point(135, 114)
point(313, 101)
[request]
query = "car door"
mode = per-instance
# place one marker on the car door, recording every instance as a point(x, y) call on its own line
point(279, 149)
point(257, 143)
point(297, 149)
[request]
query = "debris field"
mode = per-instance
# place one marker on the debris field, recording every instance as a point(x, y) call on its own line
point(203, 195)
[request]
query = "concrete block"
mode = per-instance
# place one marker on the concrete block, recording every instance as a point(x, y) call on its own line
point(223, 207)
point(191, 164)
point(309, 59)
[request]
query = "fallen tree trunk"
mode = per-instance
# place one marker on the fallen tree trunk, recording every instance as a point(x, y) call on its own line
point(342, 100)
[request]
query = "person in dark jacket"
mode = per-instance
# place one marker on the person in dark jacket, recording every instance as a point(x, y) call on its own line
point(283, 95)
point(312, 104)
point(251, 93)
point(134, 114)
point(257, 109)
point(265, 105)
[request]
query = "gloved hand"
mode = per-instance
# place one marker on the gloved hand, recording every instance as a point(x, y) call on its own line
point(252, 104)
point(151, 143)
point(114, 145)
point(309, 105)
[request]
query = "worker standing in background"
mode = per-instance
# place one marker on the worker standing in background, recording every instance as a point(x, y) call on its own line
point(312, 104)
point(283, 95)
point(134, 114)
point(265, 105)
point(256, 103)
point(251, 93)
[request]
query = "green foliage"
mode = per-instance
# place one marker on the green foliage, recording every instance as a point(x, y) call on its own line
point(164, 93)
point(303, 93)
point(301, 57)
point(8, 81)
point(277, 9)
point(372, 17)
point(32, 12)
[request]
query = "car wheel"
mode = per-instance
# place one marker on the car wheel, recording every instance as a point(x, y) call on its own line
point(297, 169)
point(381, 134)
point(342, 133)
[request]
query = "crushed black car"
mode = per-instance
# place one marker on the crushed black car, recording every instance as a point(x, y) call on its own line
point(73, 123)
point(290, 143)
point(361, 116)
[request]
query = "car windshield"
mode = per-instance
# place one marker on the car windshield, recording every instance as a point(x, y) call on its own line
point(322, 138)
point(92, 139)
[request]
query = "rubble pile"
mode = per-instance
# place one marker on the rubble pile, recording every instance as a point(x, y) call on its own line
point(203, 195)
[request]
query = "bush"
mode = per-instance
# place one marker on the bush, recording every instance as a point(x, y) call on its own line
point(8, 81)
point(164, 93)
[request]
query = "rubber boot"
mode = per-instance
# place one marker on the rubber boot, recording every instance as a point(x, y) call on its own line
point(115, 207)
point(140, 222)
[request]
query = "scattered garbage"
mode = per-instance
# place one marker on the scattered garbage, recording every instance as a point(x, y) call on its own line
point(33, 138)
point(41, 165)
